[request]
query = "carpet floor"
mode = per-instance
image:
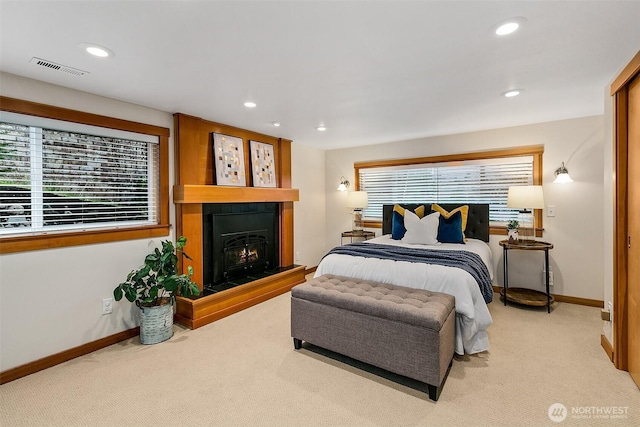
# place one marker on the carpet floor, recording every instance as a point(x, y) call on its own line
point(243, 371)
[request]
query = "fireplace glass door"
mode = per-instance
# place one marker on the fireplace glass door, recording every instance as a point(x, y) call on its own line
point(244, 252)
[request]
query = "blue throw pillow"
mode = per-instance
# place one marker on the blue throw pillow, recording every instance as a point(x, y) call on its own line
point(397, 226)
point(450, 229)
point(397, 221)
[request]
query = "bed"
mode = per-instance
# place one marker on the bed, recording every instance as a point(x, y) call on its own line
point(387, 260)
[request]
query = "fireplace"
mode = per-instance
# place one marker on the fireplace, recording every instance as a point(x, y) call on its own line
point(240, 243)
point(244, 252)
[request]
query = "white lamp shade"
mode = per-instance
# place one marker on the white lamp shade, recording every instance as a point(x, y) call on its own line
point(562, 175)
point(357, 199)
point(344, 184)
point(563, 178)
point(525, 197)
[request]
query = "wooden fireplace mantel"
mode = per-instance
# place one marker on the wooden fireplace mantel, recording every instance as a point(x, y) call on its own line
point(195, 186)
point(221, 194)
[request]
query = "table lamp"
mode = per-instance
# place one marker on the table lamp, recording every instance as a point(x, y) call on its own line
point(357, 200)
point(526, 198)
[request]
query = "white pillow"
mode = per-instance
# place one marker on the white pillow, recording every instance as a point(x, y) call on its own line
point(421, 231)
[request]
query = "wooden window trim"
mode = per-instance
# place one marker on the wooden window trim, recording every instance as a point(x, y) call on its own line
point(531, 150)
point(73, 238)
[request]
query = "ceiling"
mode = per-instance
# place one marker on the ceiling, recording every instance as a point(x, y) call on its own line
point(370, 71)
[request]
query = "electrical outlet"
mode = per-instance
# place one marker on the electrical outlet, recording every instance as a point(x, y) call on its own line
point(544, 277)
point(297, 255)
point(551, 210)
point(107, 306)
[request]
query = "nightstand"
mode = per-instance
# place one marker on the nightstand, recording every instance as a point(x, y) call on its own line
point(521, 295)
point(361, 234)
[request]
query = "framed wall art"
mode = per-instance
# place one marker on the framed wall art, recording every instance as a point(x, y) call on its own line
point(228, 153)
point(263, 164)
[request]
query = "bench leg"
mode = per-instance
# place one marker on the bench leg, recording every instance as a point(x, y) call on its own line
point(297, 344)
point(434, 391)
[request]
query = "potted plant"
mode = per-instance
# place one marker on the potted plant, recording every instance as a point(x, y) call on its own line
point(153, 288)
point(512, 230)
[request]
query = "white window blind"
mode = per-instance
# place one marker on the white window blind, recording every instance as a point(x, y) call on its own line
point(469, 181)
point(52, 179)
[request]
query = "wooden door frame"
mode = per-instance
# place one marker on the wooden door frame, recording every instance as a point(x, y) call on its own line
point(619, 92)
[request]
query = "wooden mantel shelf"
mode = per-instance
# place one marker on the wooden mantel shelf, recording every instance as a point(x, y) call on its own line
point(219, 194)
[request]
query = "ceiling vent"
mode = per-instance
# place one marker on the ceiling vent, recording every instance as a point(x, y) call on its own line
point(57, 67)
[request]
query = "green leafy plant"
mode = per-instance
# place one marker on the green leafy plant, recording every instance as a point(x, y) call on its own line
point(513, 224)
point(158, 280)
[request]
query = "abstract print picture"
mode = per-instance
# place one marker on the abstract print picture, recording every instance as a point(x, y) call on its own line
point(263, 164)
point(229, 160)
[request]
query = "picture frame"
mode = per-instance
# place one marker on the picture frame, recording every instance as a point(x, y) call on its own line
point(228, 154)
point(263, 164)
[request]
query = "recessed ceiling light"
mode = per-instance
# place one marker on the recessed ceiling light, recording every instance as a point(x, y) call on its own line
point(97, 50)
point(510, 26)
point(250, 104)
point(512, 93)
point(276, 124)
point(507, 28)
point(321, 128)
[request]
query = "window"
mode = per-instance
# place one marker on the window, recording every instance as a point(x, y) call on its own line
point(72, 180)
point(467, 178)
point(61, 180)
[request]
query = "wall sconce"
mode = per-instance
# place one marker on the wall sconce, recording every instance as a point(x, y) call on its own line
point(526, 198)
point(357, 200)
point(344, 184)
point(562, 175)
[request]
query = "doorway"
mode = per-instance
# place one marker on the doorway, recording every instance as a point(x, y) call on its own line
point(626, 292)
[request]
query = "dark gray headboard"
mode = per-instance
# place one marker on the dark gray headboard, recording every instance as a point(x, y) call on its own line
point(477, 221)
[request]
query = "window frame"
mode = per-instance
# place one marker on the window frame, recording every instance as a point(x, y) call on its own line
point(48, 240)
point(533, 150)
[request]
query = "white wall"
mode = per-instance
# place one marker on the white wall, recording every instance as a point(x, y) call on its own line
point(609, 206)
point(577, 229)
point(307, 170)
point(51, 300)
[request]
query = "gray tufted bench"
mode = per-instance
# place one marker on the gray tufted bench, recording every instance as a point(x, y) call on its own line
point(406, 331)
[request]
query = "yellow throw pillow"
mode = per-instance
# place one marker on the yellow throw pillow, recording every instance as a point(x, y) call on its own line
point(464, 211)
point(418, 211)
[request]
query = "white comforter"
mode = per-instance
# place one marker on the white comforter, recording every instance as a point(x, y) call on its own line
point(472, 315)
